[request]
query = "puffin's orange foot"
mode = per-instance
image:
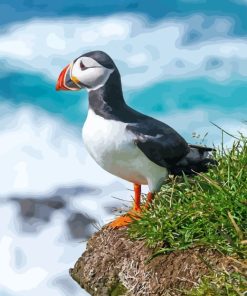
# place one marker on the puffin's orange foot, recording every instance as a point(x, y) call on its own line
point(124, 220)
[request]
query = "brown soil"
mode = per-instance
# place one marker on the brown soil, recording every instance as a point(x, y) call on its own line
point(115, 265)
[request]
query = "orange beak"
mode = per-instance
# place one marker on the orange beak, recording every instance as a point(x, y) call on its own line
point(65, 82)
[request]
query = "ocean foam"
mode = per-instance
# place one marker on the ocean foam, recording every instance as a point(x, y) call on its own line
point(39, 154)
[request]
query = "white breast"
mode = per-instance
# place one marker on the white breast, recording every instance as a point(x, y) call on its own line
point(113, 148)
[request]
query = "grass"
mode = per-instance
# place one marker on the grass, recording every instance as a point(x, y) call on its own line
point(220, 284)
point(209, 209)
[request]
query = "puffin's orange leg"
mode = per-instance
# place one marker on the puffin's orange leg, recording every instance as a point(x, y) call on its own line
point(149, 199)
point(137, 200)
point(132, 214)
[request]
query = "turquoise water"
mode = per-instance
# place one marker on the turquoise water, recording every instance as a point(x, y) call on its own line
point(161, 99)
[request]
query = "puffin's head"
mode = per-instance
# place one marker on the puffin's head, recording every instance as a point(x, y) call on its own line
point(90, 71)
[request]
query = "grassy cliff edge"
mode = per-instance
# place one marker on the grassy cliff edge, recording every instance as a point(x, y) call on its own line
point(208, 210)
point(192, 241)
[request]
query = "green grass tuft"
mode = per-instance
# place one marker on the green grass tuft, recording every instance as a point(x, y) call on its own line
point(209, 209)
point(220, 284)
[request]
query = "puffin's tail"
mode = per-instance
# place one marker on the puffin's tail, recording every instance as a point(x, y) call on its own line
point(199, 159)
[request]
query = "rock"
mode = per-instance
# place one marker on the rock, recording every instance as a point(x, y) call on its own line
point(115, 265)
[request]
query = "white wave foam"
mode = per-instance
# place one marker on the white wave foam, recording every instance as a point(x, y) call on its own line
point(144, 52)
point(39, 153)
point(30, 264)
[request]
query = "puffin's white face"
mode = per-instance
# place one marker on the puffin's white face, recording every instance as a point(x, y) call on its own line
point(85, 72)
point(90, 73)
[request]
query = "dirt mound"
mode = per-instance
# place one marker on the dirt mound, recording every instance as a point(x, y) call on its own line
point(113, 264)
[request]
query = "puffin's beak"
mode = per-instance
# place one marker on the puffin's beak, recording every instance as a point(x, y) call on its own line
point(66, 81)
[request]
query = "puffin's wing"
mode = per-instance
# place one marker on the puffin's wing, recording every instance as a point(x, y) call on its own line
point(159, 142)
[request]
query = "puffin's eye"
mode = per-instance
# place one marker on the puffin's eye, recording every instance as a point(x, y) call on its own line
point(82, 66)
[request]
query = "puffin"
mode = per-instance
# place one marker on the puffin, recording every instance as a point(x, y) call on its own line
point(123, 141)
